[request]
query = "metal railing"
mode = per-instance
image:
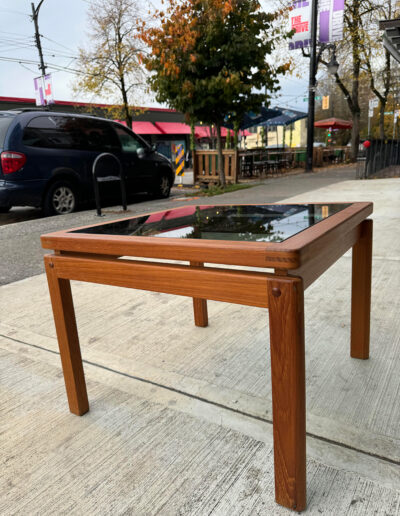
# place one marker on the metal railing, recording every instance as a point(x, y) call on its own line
point(255, 162)
point(380, 155)
point(109, 177)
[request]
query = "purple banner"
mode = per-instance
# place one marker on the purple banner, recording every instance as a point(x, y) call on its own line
point(39, 94)
point(338, 5)
point(330, 18)
point(324, 27)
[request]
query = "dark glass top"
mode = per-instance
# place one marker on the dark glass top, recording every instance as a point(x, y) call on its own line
point(257, 223)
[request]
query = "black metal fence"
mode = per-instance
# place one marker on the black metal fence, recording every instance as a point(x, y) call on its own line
point(380, 155)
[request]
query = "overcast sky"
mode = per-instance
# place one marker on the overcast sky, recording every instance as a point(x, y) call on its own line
point(63, 25)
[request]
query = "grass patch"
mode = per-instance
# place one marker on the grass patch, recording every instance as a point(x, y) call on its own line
point(218, 190)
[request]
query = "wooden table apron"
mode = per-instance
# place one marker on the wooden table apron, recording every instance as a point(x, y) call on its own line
point(281, 292)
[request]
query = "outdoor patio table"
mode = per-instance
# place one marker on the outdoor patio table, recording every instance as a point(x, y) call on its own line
point(297, 242)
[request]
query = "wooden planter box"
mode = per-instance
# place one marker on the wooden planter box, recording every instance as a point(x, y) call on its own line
point(205, 164)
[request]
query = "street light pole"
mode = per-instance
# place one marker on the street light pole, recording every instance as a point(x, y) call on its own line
point(35, 14)
point(311, 87)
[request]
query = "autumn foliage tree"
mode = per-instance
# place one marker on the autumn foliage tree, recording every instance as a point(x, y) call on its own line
point(361, 56)
point(112, 64)
point(208, 59)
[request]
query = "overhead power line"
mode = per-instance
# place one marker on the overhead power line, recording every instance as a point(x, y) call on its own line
point(14, 33)
point(47, 65)
point(60, 44)
point(12, 11)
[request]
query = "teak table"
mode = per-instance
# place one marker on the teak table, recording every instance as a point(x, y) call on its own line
point(298, 242)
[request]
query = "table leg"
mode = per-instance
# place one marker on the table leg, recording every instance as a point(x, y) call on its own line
point(200, 305)
point(68, 340)
point(361, 292)
point(286, 321)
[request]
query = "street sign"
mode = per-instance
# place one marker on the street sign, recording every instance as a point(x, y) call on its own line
point(317, 97)
point(370, 113)
point(373, 103)
point(388, 112)
point(325, 102)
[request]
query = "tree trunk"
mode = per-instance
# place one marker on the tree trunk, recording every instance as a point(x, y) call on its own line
point(355, 136)
point(128, 116)
point(382, 122)
point(220, 169)
point(192, 136)
point(236, 135)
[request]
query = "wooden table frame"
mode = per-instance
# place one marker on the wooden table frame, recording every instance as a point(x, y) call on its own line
point(297, 262)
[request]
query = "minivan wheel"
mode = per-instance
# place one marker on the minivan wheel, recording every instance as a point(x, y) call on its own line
point(163, 187)
point(60, 199)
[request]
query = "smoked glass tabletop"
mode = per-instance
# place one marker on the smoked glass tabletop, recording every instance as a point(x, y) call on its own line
point(257, 223)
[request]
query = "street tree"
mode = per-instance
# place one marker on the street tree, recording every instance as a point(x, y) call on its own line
point(112, 65)
point(209, 60)
point(381, 71)
point(365, 59)
point(350, 55)
point(361, 57)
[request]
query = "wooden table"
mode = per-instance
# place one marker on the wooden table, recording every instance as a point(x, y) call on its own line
point(256, 236)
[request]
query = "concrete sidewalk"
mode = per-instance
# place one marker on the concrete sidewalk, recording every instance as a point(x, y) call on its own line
point(180, 419)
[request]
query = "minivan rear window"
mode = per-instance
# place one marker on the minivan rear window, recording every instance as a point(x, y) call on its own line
point(62, 132)
point(5, 122)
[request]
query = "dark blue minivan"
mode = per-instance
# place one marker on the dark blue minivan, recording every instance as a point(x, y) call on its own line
point(46, 160)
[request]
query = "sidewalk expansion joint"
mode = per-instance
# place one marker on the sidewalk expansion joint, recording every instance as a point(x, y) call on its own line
point(209, 402)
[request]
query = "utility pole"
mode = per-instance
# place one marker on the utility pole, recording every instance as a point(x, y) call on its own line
point(311, 87)
point(35, 14)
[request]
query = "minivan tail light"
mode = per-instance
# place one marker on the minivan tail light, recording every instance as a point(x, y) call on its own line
point(12, 161)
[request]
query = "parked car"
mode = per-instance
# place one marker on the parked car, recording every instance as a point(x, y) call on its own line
point(46, 160)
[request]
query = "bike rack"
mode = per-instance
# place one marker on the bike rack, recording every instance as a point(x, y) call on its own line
point(96, 181)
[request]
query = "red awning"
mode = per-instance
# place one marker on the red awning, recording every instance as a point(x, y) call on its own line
point(145, 128)
point(200, 131)
point(141, 127)
point(172, 128)
point(334, 123)
point(244, 132)
point(203, 131)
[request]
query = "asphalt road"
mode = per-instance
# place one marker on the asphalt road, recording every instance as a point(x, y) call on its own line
point(21, 255)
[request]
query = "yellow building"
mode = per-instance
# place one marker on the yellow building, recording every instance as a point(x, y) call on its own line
point(294, 135)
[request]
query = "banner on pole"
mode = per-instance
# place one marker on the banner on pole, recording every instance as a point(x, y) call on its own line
point(39, 91)
point(43, 90)
point(48, 89)
point(330, 20)
point(300, 21)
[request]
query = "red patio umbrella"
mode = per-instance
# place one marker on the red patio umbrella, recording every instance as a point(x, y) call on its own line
point(334, 123)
